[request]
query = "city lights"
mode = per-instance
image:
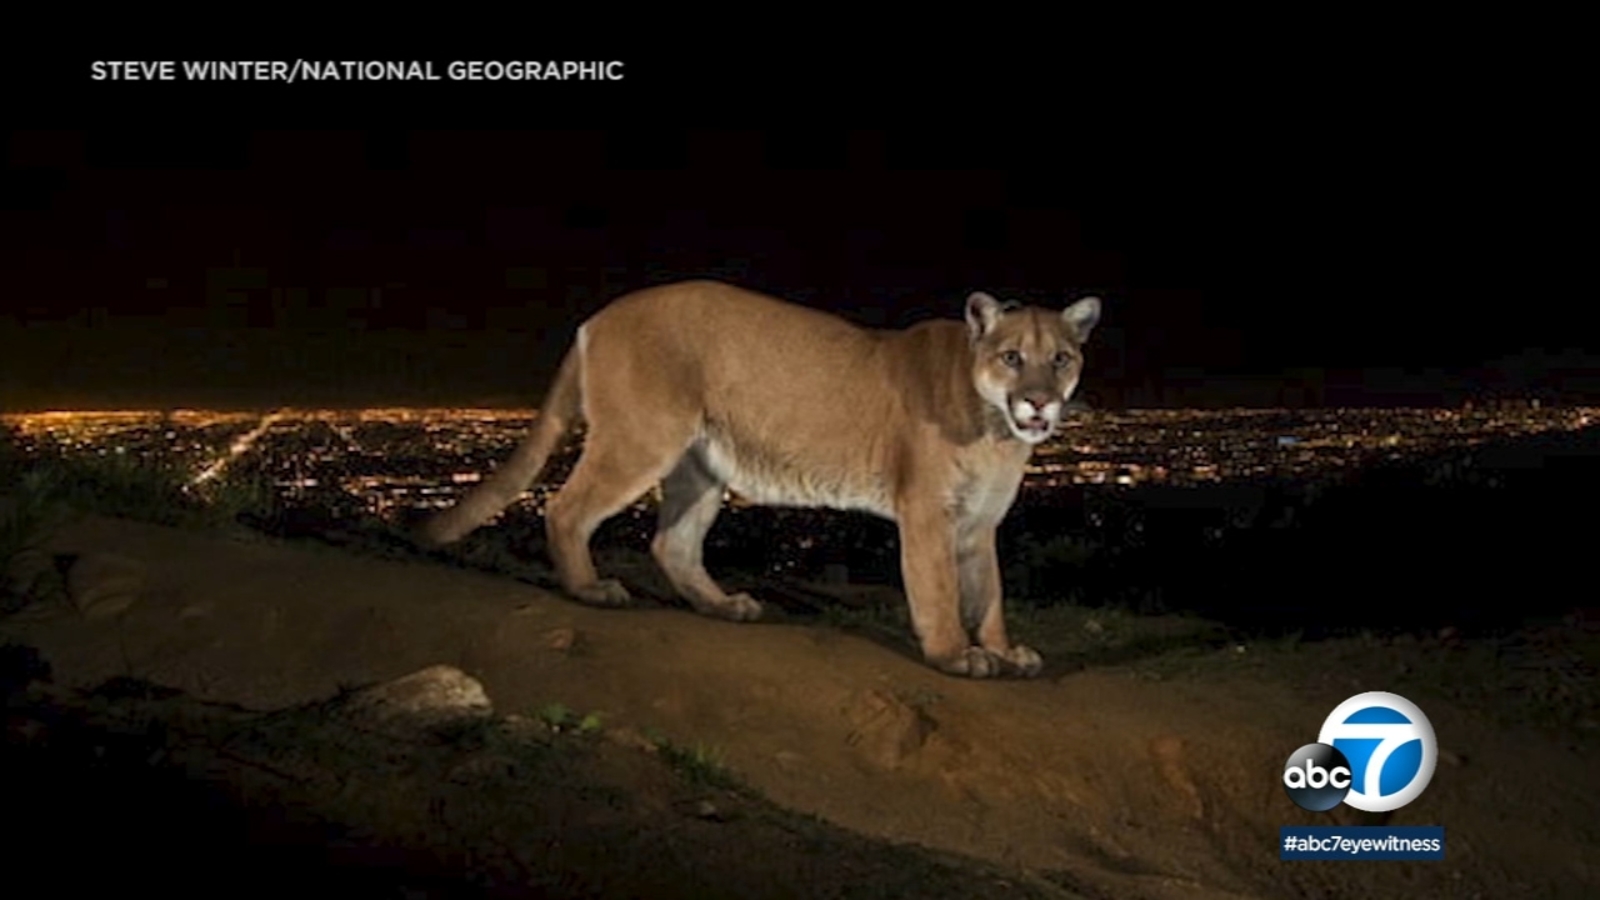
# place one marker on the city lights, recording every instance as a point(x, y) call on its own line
point(384, 461)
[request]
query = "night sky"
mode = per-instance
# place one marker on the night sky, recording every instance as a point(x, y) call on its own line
point(1318, 240)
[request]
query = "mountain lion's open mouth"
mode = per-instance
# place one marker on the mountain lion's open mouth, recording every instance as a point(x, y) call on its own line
point(1033, 428)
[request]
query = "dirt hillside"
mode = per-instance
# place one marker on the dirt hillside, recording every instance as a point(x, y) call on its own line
point(1117, 785)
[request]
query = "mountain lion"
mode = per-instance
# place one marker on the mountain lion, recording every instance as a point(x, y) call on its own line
point(703, 387)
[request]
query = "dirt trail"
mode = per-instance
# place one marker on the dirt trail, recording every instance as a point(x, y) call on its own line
point(1122, 786)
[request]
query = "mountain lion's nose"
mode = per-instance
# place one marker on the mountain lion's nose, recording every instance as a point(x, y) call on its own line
point(1038, 399)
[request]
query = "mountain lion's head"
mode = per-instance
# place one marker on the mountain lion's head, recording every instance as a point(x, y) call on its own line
point(1026, 360)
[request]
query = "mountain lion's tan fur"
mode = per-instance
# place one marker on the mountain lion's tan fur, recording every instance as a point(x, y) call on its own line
point(702, 386)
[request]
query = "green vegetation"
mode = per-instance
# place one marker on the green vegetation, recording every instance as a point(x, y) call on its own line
point(561, 719)
point(1040, 569)
point(1542, 678)
point(40, 494)
point(128, 487)
point(887, 622)
point(700, 764)
point(29, 516)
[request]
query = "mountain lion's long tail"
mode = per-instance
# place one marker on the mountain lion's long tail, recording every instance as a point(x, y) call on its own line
point(506, 484)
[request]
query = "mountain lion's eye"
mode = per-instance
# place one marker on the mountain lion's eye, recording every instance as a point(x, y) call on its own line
point(1062, 360)
point(1012, 358)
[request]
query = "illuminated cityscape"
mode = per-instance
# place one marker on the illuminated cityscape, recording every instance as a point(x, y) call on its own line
point(382, 461)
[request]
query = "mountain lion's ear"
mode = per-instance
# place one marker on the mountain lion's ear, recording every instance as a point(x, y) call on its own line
point(982, 312)
point(1082, 316)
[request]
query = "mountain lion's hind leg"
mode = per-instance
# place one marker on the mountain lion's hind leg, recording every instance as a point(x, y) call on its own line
point(613, 471)
point(690, 501)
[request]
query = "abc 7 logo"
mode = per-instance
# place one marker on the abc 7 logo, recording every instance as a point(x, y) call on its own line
point(1376, 753)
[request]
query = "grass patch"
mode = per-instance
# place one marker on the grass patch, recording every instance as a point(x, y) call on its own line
point(1111, 635)
point(39, 495)
point(560, 718)
point(700, 764)
point(1545, 679)
point(29, 516)
point(127, 487)
point(873, 618)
